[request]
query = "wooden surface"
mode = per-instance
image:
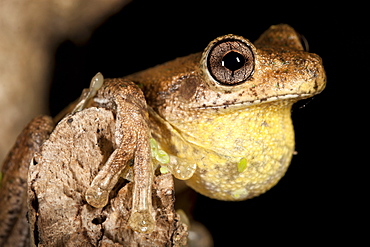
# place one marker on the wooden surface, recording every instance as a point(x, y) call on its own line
point(59, 175)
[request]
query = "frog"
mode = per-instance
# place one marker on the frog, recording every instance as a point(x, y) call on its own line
point(220, 119)
point(224, 115)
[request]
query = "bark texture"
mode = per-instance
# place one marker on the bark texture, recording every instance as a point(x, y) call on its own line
point(58, 177)
point(14, 230)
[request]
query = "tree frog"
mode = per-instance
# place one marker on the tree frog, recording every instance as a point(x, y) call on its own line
point(223, 115)
point(219, 119)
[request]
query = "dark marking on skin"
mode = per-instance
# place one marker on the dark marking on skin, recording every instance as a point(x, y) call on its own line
point(264, 99)
point(253, 90)
point(188, 87)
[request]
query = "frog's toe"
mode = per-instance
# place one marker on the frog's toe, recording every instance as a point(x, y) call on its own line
point(181, 168)
point(97, 197)
point(96, 83)
point(142, 221)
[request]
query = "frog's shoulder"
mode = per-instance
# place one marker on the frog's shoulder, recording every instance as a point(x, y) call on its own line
point(159, 81)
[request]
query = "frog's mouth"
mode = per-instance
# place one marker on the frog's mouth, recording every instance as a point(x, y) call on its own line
point(290, 98)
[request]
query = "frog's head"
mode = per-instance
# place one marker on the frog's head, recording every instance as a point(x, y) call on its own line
point(234, 73)
point(275, 68)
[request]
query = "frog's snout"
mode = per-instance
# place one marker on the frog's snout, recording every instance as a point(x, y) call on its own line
point(316, 82)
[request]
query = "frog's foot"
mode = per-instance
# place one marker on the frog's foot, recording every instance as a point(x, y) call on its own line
point(132, 139)
point(97, 194)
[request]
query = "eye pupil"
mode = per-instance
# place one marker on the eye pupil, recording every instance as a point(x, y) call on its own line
point(233, 61)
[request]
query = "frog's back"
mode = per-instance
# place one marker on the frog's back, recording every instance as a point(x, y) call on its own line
point(160, 80)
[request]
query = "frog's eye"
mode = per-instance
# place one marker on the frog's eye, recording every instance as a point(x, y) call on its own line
point(230, 62)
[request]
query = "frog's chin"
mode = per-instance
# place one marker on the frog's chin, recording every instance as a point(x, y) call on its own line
point(289, 98)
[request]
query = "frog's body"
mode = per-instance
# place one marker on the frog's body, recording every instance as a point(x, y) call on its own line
point(208, 127)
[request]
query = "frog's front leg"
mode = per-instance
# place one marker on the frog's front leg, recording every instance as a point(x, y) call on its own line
point(132, 144)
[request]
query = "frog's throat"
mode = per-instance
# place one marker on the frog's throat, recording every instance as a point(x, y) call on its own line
point(260, 136)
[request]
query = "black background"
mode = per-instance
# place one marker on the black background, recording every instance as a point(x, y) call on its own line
point(319, 200)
